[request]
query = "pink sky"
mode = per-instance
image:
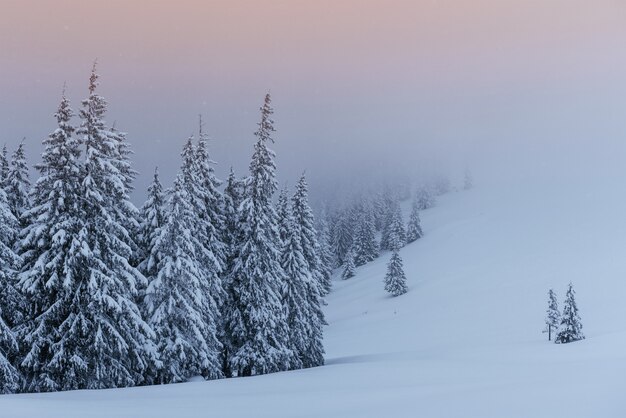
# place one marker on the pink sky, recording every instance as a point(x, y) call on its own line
point(342, 72)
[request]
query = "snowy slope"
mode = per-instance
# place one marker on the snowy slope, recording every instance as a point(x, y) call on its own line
point(465, 341)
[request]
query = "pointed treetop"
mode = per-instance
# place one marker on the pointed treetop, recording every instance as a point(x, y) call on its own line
point(266, 126)
point(93, 79)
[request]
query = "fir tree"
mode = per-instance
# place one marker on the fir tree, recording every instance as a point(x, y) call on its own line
point(4, 166)
point(233, 195)
point(570, 329)
point(176, 299)
point(341, 237)
point(468, 181)
point(349, 267)
point(395, 280)
point(213, 200)
point(414, 228)
point(396, 235)
point(11, 303)
point(17, 184)
point(127, 213)
point(283, 213)
point(256, 320)
point(101, 340)
point(51, 272)
point(553, 317)
point(326, 256)
point(153, 217)
point(301, 301)
point(305, 224)
point(365, 248)
point(425, 199)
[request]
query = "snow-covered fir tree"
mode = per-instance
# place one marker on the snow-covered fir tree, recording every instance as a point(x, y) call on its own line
point(232, 237)
point(152, 219)
point(396, 234)
point(570, 329)
point(395, 279)
point(425, 198)
point(205, 231)
point(256, 326)
point(305, 224)
point(213, 200)
point(101, 340)
point(4, 166)
point(326, 256)
point(341, 237)
point(301, 300)
point(233, 195)
point(127, 213)
point(52, 270)
point(390, 205)
point(349, 267)
point(283, 214)
point(365, 246)
point(553, 316)
point(176, 299)
point(11, 302)
point(379, 210)
point(9, 375)
point(468, 180)
point(17, 184)
point(414, 227)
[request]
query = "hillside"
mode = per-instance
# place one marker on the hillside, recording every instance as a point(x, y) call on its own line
point(465, 341)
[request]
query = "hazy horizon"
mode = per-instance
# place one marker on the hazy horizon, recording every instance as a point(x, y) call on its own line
point(356, 84)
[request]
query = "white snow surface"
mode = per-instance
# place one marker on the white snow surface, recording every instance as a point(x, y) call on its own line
point(465, 341)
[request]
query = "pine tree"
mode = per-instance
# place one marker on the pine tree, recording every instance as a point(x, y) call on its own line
point(213, 200)
point(570, 329)
point(195, 185)
point(283, 213)
point(11, 303)
point(396, 235)
point(176, 299)
point(468, 181)
point(341, 237)
point(127, 213)
point(17, 183)
point(4, 166)
point(153, 217)
point(51, 272)
point(301, 301)
point(553, 317)
point(349, 267)
point(414, 228)
point(102, 341)
point(425, 199)
point(305, 224)
point(233, 195)
point(256, 320)
point(395, 280)
point(365, 248)
point(326, 255)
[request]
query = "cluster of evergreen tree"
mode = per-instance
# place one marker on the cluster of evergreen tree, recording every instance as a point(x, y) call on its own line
point(567, 325)
point(356, 233)
point(95, 293)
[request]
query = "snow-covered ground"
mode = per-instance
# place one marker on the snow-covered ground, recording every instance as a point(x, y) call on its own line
point(465, 341)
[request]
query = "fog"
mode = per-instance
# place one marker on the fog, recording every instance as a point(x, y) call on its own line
point(507, 88)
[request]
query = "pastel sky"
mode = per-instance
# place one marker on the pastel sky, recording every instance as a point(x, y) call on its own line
point(354, 82)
